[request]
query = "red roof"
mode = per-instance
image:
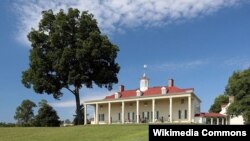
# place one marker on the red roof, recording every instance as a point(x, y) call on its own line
point(151, 91)
point(209, 115)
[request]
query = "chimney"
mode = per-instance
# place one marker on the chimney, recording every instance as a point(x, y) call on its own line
point(231, 99)
point(223, 106)
point(170, 82)
point(121, 88)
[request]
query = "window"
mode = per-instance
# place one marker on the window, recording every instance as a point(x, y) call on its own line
point(145, 115)
point(129, 116)
point(179, 113)
point(185, 114)
point(157, 114)
point(101, 117)
point(197, 110)
point(119, 116)
point(182, 101)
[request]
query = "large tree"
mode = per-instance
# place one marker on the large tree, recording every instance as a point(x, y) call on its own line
point(47, 116)
point(239, 87)
point(69, 52)
point(24, 113)
point(219, 100)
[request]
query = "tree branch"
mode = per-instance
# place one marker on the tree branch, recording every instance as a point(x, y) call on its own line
point(70, 91)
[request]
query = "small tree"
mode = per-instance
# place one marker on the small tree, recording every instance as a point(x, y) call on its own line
point(24, 113)
point(47, 116)
point(3, 124)
point(68, 51)
point(67, 121)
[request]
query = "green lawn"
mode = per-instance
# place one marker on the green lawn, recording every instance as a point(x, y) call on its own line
point(77, 133)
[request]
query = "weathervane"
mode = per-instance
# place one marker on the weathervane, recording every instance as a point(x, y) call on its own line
point(144, 68)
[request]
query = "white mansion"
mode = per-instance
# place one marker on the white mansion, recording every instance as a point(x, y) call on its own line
point(164, 104)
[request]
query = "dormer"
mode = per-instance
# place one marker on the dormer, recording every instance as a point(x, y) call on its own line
point(163, 90)
point(190, 90)
point(138, 93)
point(117, 95)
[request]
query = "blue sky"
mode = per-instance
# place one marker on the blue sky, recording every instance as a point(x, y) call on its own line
point(197, 43)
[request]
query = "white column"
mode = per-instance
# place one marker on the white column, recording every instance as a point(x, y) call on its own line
point(212, 121)
point(218, 122)
point(109, 112)
point(85, 114)
point(170, 110)
point(97, 114)
point(222, 121)
point(122, 112)
point(205, 121)
point(137, 111)
point(153, 110)
point(189, 109)
point(94, 114)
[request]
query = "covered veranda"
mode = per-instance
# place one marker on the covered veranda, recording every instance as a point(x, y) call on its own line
point(211, 118)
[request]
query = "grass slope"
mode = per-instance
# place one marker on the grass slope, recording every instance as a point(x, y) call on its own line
point(77, 133)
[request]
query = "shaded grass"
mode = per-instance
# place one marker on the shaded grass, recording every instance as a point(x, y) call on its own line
point(76, 133)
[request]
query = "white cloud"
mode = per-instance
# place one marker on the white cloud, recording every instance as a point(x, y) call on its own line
point(117, 15)
point(241, 63)
point(64, 104)
point(238, 62)
point(172, 66)
point(87, 95)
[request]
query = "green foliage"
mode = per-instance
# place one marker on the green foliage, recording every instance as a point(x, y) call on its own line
point(24, 113)
point(69, 51)
point(246, 116)
point(219, 100)
point(239, 84)
point(47, 116)
point(239, 87)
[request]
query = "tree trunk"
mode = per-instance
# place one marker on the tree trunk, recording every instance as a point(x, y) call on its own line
point(78, 109)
